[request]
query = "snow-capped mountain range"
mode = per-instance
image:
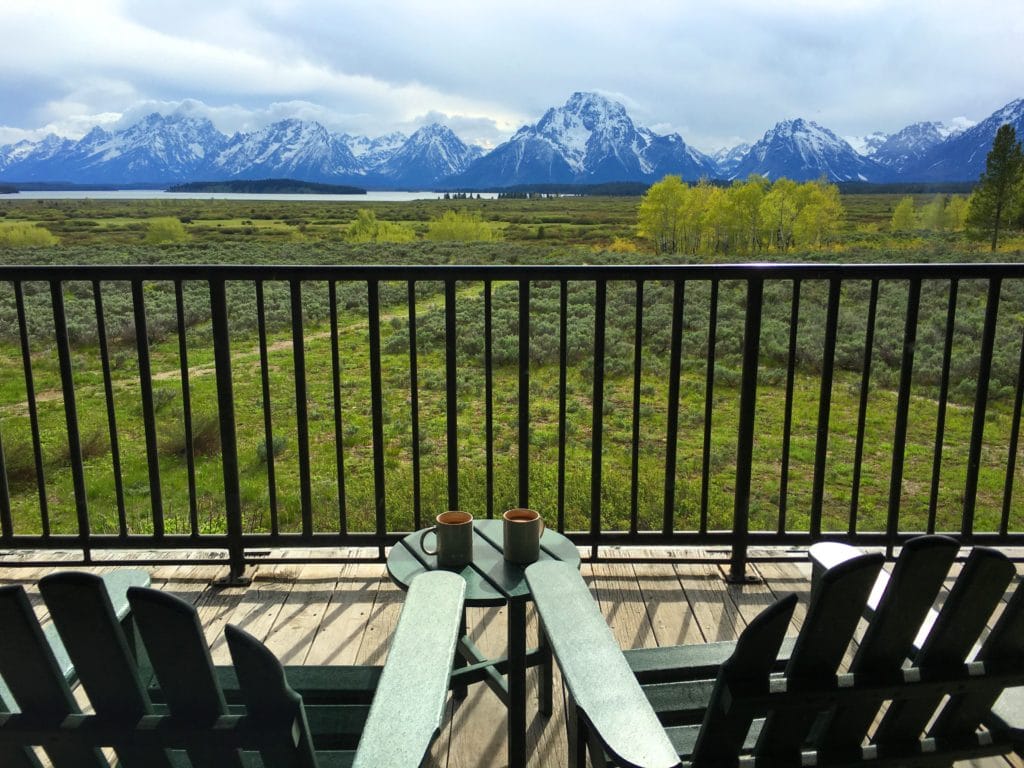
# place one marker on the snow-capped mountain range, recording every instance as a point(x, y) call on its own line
point(589, 139)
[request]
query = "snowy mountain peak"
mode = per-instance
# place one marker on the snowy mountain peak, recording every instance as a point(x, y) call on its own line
point(432, 153)
point(727, 158)
point(904, 146)
point(589, 139)
point(803, 150)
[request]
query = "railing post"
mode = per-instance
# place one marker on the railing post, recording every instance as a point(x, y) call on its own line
point(67, 383)
point(988, 340)
point(228, 443)
point(745, 433)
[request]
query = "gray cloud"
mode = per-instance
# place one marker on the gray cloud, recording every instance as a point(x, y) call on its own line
point(715, 75)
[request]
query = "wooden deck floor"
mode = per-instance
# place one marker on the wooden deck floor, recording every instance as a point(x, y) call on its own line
point(345, 614)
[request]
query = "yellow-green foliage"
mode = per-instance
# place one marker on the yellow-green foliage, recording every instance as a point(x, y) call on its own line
point(747, 217)
point(367, 229)
point(165, 229)
point(904, 219)
point(622, 245)
point(22, 235)
point(464, 227)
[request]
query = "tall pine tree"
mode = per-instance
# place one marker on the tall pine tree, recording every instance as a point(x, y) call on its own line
point(992, 198)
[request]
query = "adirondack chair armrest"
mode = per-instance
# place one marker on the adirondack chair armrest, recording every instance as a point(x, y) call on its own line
point(117, 584)
point(408, 706)
point(604, 689)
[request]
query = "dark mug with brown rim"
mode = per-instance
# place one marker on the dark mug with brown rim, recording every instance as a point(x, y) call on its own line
point(523, 529)
point(454, 534)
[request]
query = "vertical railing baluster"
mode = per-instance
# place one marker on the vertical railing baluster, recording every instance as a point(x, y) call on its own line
point(6, 523)
point(186, 402)
point(899, 440)
point(33, 409)
point(824, 406)
point(148, 411)
point(597, 418)
point(339, 427)
point(787, 419)
point(672, 418)
point(451, 393)
point(228, 437)
point(414, 411)
point(377, 410)
point(745, 431)
point(563, 368)
point(524, 393)
point(862, 408)
point(67, 382)
point(301, 408)
point(489, 397)
point(108, 392)
point(709, 408)
point(268, 421)
point(940, 424)
point(988, 340)
point(1011, 461)
point(638, 345)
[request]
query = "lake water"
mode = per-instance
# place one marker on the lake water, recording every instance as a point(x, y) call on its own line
point(157, 194)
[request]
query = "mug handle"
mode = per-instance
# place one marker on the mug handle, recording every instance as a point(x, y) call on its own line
point(432, 529)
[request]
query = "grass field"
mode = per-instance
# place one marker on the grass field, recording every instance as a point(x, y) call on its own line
point(568, 230)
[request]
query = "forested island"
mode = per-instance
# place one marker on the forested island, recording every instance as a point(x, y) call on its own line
point(268, 187)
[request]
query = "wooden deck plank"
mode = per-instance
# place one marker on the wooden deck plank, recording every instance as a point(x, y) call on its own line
point(345, 620)
point(712, 606)
point(299, 619)
point(668, 610)
point(615, 586)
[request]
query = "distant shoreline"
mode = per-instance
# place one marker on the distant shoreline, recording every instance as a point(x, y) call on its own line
point(268, 186)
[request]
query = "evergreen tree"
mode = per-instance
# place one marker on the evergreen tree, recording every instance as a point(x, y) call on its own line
point(992, 200)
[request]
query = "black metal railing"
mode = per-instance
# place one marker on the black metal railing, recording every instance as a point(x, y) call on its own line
point(586, 374)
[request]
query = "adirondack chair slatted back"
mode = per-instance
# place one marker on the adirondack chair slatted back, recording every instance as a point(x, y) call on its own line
point(820, 646)
point(917, 577)
point(971, 602)
point(82, 612)
point(36, 682)
point(271, 703)
point(1004, 647)
point(181, 661)
point(725, 728)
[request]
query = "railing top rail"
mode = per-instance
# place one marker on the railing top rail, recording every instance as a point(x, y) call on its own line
point(773, 271)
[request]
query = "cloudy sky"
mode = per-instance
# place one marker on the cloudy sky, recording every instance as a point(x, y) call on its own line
point(715, 72)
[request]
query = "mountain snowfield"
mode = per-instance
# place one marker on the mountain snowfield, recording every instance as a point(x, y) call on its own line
point(589, 139)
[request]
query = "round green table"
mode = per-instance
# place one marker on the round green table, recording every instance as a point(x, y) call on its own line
point(491, 580)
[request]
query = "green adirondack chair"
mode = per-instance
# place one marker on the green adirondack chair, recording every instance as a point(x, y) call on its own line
point(810, 713)
point(193, 713)
point(116, 585)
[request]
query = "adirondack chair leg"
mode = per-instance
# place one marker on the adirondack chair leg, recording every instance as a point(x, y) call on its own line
point(517, 682)
point(544, 690)
point(459, 692)
point(576, 735)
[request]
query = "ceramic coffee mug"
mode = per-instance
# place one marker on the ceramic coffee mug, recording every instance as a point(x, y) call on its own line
point(523, 529)
point(454, 534)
